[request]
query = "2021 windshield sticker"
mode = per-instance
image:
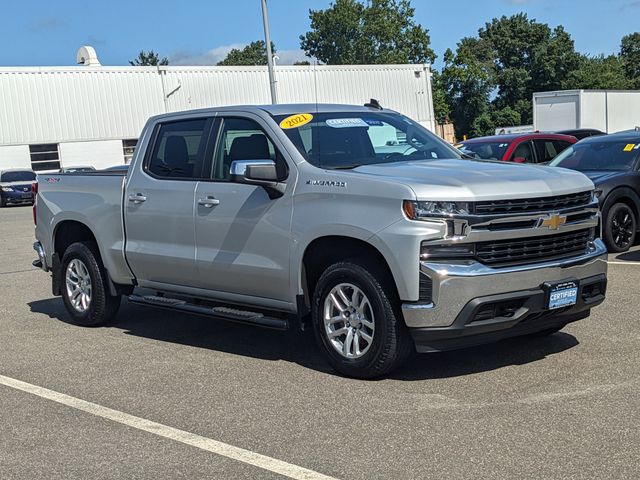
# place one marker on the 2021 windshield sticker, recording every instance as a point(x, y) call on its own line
point(295, 121)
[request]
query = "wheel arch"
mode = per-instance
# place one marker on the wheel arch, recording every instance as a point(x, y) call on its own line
point(68, 232)
point(623, 195)
point(327, 250)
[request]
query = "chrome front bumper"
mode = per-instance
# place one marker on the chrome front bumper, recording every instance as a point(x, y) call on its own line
point(455, 285)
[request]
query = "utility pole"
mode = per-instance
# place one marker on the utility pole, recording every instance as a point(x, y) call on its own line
point(267, 41)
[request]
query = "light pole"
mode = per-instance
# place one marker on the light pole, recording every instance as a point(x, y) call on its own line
point(267, 40)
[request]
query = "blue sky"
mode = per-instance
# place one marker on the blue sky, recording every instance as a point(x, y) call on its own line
point(38, 32)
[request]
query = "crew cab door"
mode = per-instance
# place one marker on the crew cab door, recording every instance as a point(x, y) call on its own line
point(159, 203)
point(242, 235)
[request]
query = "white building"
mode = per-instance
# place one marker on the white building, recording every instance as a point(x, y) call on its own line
point(607, 110)
point(92, 115)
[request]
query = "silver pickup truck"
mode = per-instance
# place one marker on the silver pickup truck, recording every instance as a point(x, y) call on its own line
point(355, 222)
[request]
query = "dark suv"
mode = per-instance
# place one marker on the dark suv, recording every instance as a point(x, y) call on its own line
point(520, 148)
point(15, 187)
point(612, 162)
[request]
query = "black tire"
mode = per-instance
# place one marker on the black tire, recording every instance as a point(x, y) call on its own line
point(102, 306)
point(2, 202)
point(391, 344)
point(619, 228)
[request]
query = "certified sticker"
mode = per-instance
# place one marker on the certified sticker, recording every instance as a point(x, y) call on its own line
point(295, 121)
point(629, 147)
point(346, 122)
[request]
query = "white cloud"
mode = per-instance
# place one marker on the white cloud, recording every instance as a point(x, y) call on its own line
point(213, 56)
point(210, 57)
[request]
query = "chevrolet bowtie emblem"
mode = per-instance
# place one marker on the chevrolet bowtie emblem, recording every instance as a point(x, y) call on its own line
point(552, 222)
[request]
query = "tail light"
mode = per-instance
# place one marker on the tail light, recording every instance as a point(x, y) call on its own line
point(34, 190)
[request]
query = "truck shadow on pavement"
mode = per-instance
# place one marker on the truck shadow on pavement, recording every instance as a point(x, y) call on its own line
point(300, 348)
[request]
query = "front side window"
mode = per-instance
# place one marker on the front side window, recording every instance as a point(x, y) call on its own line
point(345, 140)
point(244, 139)
point(523, 153)
point(178, 151)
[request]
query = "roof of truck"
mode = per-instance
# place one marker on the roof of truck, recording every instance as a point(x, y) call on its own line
point(283, 109)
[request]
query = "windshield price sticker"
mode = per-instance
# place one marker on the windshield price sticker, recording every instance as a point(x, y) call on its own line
point(629, 147)
point(346, 122)
point(295, 121)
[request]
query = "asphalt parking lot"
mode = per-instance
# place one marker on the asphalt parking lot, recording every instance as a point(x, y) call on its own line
point(562, 407)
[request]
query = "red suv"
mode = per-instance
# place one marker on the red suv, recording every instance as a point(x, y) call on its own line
point(521, 148)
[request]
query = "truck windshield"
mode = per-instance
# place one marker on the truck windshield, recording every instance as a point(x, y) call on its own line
point(486, 150)
point(350, 139)
point(603, 155)
point(24, 176)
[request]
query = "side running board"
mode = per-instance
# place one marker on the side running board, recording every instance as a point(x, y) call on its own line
point(222, 313)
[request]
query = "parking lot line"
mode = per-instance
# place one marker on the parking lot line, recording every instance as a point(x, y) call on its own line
point(622, 263)
point(214, 446)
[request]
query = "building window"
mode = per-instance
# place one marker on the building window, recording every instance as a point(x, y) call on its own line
point(128, 147)
point(44, 157)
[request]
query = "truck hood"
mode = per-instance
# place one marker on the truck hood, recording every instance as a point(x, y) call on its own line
point(480, 180)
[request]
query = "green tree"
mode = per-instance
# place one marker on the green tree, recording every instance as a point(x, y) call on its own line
point(378, 32)
point(630, 56)
point(149, 58)
point(468, 82)
point(528, 57)
point(599, 72)
point(490, 80)
point(253, 54)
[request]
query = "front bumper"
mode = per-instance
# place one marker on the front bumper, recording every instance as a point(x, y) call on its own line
point(454, 286)
point(17, 198)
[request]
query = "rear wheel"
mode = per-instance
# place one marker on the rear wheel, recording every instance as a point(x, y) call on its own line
point(85, 292)
point(356, 320)
point(619, 228)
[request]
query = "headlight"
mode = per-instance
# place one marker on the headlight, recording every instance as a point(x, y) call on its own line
point(425, 210)
point(7, 189)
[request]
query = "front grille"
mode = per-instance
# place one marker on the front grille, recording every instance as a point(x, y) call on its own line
point(526, 205)
point(532, 250)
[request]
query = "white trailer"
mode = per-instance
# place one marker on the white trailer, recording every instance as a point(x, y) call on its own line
point(607, 110)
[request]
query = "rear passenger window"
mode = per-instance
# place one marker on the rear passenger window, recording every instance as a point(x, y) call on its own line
point(243, 139)
point(178, 151)
point(549, 149)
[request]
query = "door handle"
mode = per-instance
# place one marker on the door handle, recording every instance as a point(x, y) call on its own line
point(137, 198)
point(208, 202)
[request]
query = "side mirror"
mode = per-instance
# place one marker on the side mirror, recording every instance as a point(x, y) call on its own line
point(258, 172)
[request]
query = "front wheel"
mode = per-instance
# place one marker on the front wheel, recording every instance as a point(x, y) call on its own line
point(85, 292)
point(619, 228)
point(356, 320)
